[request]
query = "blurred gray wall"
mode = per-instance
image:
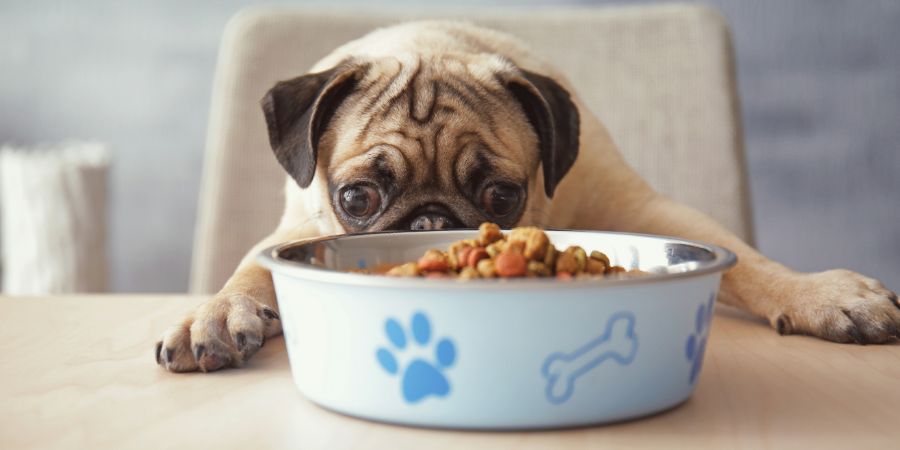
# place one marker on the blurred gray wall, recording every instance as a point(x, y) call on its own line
point(819, 84)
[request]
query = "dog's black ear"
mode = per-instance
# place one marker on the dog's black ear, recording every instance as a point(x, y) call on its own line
point(554, 117)
point(298, 111)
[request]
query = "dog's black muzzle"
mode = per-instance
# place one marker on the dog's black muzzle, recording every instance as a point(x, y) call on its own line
point(431, 217)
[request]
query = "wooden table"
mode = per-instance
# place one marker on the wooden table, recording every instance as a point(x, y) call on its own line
point(78, 372)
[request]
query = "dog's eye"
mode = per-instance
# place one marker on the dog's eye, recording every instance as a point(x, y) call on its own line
point(500, 199)
point(360, 200)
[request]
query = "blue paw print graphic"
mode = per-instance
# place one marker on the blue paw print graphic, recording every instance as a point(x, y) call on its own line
point(696, 343)
point(420, 378)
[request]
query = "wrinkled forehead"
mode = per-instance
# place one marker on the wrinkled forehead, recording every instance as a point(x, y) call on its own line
point(448, 111)
point(404, 68)
point(411, 90)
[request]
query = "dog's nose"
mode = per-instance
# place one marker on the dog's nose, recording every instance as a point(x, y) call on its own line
point(431, 221)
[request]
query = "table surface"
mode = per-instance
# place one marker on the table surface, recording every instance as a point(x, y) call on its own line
point(78, 372)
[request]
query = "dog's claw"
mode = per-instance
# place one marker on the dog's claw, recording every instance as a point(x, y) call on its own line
point(240, 340)
point(853, 330)
point(169, 355)
point(857, 336)
point(198, 352)
point(783, 325)
point(158, 351)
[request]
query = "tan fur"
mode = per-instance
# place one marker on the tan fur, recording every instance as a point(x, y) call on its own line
point(600, 192)
point(430, 157)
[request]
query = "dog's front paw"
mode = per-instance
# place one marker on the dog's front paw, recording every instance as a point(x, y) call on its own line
point(223, 332)
point(838, 305)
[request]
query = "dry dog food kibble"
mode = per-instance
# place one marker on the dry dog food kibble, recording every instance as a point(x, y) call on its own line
point(524, 252)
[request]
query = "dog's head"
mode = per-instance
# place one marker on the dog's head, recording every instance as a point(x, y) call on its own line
point(426, 143)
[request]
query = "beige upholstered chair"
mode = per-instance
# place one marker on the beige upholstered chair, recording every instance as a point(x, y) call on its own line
point(660, 77)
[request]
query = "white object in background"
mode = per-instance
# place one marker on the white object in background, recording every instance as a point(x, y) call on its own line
point(53, 218)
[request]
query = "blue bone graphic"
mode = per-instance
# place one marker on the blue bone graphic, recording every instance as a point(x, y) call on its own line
point(618, 342)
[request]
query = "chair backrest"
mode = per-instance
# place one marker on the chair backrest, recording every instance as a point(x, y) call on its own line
point(660, 77)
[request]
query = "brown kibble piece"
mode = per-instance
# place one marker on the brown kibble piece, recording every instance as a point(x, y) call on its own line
point(580, 257)
point(616, 272)
point(477, 254)
point(404, 270)
point(595, 267)
point(536, 246)
point(566, 262)
point(511, 264)
point(535, 240)
point(550, 256)
point(486, 268)
point(495, 248)
point(434, 261)
point(469, 273)
point(488, 233)
point(463, 256)
point(600, 256)
point(537, 268)
point(514, 246)
point(452, 261)
point(453, 255)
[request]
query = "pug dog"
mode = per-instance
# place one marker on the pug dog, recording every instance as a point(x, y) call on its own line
point(437, 125)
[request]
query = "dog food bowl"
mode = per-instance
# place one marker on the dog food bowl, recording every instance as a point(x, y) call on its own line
point(495, 354)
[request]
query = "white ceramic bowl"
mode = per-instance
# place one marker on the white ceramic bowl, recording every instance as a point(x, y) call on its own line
point(495, 354)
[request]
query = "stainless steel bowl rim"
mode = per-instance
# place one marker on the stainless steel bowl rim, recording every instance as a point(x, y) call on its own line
point(270, 258)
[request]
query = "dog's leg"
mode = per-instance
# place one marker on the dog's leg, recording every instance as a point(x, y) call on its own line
point(230, 327)
point(838, 305)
